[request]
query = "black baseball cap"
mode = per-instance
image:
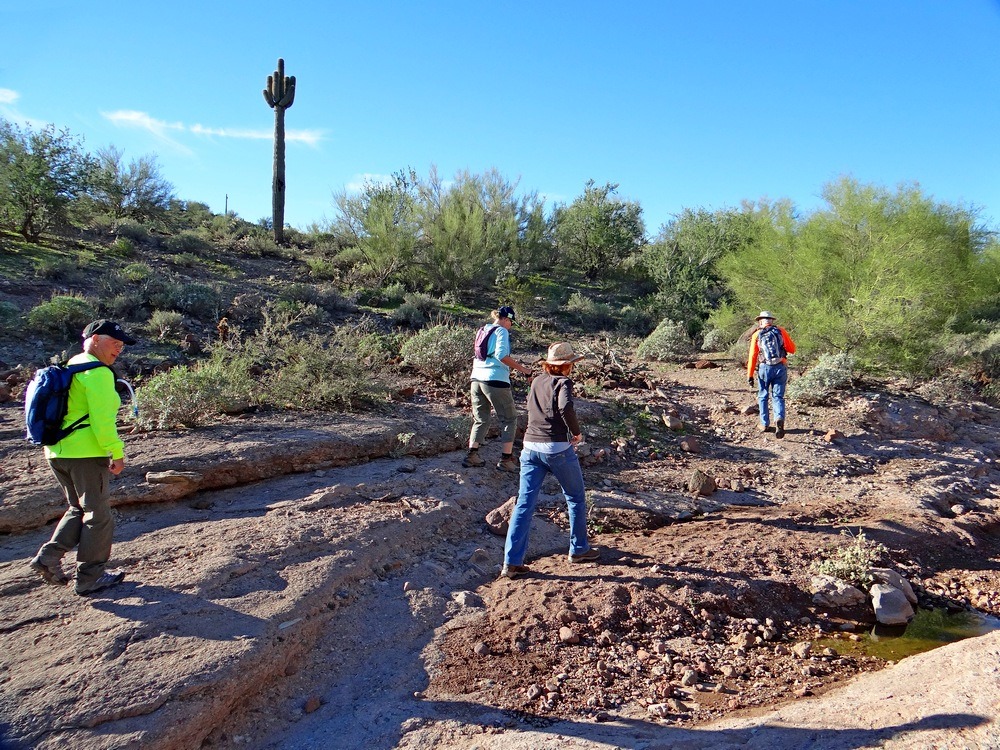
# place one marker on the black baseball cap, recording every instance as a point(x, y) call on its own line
point(506, 312)
point(108, 328)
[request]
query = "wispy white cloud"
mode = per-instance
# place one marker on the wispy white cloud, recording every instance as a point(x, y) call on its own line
point(160, 128)
point(8, 96)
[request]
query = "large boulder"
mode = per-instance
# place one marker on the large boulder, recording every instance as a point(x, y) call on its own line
point(894, 579)
point(832, 592)
point(890, 604)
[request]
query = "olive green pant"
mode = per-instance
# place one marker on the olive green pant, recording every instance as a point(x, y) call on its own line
point(485, 398)
point(87, 524)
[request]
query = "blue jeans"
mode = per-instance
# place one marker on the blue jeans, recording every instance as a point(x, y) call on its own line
point(771, 379)
point(535, 467)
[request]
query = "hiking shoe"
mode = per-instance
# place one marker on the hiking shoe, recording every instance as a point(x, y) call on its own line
point(780, 430)
point(514, 571)
point(509, 464)
point(50, 572)
point(106, 580)
point(473, 460)
point(764, 428)
point(589, 556)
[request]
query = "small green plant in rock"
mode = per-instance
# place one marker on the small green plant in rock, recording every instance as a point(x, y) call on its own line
point(853, 560)
point(402, 445)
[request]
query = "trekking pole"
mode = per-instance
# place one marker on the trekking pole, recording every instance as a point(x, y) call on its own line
point(135, 405)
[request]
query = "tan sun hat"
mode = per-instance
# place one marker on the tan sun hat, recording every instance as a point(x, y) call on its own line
point(562, 354)
point(766, 315)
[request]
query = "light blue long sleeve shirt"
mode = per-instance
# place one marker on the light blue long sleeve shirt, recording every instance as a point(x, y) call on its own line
point(492, 368)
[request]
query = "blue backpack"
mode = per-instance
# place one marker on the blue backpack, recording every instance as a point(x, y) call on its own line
point(481, 349)
point(46, 401)
point(771, 345)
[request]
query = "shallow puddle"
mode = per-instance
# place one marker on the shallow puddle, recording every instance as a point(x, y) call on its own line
point(928, 629)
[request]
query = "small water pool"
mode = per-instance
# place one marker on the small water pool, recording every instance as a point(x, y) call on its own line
point(928, 629)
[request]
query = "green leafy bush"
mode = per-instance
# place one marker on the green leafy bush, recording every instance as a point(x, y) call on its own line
point(165, 323)
point(830, 373)
point(196, 395)
point(55, 269)
point(417, 310)
point(669, 341)
point(311, 372)
point(589, 313)
point(442, 352)
point(133, 231)
point(136, 273)
point(322, 269)
point(853, 560)
point(187, 241)
point(63, 315)
point(198, 300)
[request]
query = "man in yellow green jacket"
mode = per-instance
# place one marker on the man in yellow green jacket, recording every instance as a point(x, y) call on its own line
point(83, 463)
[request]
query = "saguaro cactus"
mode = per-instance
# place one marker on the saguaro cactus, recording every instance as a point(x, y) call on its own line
point(279, 95)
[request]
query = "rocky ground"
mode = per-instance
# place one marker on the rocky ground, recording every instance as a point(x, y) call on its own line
point(302, 581)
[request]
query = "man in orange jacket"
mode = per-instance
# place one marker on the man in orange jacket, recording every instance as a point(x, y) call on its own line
point(769, 346)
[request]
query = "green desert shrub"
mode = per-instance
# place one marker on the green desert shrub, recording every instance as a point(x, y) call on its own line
point(441, 352)
point(669, 341)
point(196, 395)
point(417, 310)
point(164, 323)
point(187, 241)
point(132, 231)
point(55, 269)
point(589, 313)
point(198, 300)
point(830, 373)
point(313, 372)
point(63, 315)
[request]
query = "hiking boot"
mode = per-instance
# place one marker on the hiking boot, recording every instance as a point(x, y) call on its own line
point(106, 580)
point(780, 431)
point(764, 428)
point(473, 460)
point(589, 556)
point(514, 571)
point(509, 464)
point(50, 572)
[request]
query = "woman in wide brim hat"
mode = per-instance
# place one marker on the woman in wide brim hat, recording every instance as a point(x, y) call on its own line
point(550, 442)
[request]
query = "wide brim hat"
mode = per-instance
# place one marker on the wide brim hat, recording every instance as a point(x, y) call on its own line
point(766, 315)
point(562, 353)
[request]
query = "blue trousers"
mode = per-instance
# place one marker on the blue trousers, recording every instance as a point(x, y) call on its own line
point(771, 381)
point(535, 467)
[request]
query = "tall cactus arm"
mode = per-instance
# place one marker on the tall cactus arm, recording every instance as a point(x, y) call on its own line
point(289, 95)
point(267, 95)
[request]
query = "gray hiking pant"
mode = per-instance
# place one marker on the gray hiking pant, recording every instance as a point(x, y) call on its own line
point(87, 523)
point(485, 398)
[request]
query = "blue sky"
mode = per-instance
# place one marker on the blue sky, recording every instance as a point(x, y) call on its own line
point(693, 104)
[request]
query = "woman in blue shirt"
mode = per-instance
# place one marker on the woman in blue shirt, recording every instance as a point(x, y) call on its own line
point(490, 391)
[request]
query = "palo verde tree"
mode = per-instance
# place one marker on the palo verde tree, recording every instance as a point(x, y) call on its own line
point(279, 95)
point(380, 223)
point(682, 260)
point(135, 190)
point(877, 273)
point(598, 230)
point(41, 173)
